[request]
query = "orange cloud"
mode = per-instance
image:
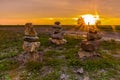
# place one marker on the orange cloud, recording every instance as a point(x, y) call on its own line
point(49, 21)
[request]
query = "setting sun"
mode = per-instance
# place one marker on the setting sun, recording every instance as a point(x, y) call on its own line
point(90, 19)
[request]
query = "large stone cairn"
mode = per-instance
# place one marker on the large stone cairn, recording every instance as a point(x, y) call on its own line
point(57, 36)
point(90, 45)
point(31, 44)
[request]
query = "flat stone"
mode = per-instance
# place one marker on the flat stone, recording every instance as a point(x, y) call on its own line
point(86, 78)
point(58, 41)
point(31, 46)
point(83, 54)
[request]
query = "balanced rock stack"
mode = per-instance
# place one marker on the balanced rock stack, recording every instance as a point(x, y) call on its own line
point(57, 35)
point(31, 43)
point(90, 45)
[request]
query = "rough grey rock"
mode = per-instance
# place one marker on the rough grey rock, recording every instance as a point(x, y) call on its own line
point(64, 77)
point(80, 71)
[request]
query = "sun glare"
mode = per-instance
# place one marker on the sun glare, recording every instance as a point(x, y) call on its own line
point(90, 19)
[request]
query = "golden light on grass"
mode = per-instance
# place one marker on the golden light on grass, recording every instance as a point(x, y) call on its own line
point(75, 19)
point(90, 19)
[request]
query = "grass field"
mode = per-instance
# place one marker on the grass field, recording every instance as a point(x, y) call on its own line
point(57, 60)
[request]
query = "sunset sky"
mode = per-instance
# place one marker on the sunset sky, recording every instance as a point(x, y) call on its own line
point(48, 11)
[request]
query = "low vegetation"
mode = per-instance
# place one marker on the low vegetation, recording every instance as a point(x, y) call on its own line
point(57, 60)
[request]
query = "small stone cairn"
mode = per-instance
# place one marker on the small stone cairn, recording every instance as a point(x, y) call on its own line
point(57, 36)
point(91, 44)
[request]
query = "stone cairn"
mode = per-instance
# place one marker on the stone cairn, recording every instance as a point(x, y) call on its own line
point(57, 36)
point(31, 44)
point(91, 44)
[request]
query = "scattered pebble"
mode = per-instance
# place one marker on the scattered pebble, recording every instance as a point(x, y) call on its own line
point(86, 78)
point(80, 71)
point(64, 77)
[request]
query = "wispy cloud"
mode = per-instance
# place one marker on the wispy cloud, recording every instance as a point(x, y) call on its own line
point(57, 8)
